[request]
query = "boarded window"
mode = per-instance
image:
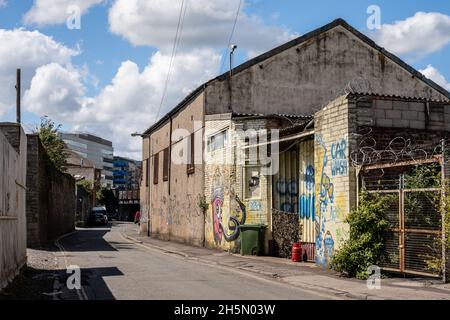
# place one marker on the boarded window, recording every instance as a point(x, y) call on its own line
point(191, 154)
point(147, 172)
point(166, 164)
point(155, 168)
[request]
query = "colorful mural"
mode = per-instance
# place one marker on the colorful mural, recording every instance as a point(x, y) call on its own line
point(231, 232)
point(333, 162)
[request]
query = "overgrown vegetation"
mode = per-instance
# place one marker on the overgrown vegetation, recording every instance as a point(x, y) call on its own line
point(365, 246)
point(85, 185)
point(54, 146)
point(203, 203)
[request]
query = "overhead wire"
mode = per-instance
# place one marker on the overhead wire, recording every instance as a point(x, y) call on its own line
point(176, 43)
point(231, 34)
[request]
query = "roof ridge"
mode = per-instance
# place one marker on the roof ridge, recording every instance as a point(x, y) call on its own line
point(287, 45)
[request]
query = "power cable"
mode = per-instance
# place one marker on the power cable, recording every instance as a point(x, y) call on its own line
point(176, 42)
point(231, 34)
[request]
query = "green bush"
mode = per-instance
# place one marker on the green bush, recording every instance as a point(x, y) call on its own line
point(364, 246)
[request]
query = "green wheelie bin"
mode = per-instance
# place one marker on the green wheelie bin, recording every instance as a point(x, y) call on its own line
point(252, 239)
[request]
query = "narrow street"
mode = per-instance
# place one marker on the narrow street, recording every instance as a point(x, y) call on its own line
point(112, 267)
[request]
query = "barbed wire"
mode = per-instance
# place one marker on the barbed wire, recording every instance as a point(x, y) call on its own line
point(397, 149)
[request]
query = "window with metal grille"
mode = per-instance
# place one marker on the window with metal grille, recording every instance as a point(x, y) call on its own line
point(155, 168)
point(166, 164)
point(191, 154)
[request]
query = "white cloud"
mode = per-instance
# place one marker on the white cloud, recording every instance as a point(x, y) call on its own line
point(55, 90)
point(48, 12)
point(206, 24)
point(432, 73)
point(26, 50)
point(3, 3)
point(129, 104)
point(417, 36)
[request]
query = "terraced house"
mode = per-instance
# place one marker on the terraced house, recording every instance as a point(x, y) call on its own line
point(337, 108)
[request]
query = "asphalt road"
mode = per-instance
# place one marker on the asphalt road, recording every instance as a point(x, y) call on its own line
point(114, 268)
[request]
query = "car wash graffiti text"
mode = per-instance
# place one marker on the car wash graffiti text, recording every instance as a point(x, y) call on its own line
point(332, 160)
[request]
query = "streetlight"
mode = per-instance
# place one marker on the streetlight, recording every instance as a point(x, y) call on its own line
point(135, 134)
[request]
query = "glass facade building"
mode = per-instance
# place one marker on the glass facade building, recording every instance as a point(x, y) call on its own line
point(98, 150)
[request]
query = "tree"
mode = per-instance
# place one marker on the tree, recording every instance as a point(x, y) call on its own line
point(54, 146)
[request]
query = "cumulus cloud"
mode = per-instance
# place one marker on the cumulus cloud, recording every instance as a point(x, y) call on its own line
point(417, 36)
point(432, 73)
point(206, 24)
point(55, 90)
point(128, 104)
point(48, 12)
point(26, 50)
point(131, 101)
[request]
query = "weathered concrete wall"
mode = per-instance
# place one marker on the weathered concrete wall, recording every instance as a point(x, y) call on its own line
point(144, 190)
point(303, 78)
point(50, 197)
point(174, 212)
point(334, 178)
point(12, 202)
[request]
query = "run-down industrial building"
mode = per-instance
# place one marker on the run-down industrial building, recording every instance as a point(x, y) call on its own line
point(305, 109)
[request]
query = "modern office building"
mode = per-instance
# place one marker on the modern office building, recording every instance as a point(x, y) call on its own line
point(98, 150)
point(127, 173)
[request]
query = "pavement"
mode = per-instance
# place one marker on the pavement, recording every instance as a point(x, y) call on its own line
point(306, 276)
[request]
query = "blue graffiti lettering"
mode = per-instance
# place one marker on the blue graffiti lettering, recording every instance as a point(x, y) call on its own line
point(339, 162)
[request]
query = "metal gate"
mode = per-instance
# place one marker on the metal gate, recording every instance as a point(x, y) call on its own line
point(413, 242)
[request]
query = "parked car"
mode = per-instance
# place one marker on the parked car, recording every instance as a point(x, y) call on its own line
point(98, 216)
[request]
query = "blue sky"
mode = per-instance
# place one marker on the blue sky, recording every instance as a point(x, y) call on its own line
point(123, 49)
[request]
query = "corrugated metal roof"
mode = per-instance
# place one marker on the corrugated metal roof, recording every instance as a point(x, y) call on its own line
point(395, 97)
point(277, 115)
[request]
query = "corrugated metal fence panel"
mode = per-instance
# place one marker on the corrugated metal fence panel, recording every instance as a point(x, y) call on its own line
point(285, 184)
point(307, 191)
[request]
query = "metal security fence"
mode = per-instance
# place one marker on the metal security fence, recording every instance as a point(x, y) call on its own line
point(413, 242)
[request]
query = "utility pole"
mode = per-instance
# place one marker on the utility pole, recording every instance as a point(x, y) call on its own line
point(232, 48)
point(18, 94)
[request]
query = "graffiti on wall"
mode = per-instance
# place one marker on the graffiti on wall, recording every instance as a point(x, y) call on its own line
point(287, 190)
point(339, 162)
point(333, 160)
point(254, 205)
point(231, 231)
point(307, 199)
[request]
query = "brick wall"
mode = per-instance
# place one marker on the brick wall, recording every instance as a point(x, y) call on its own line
point(225, 185)
point(50, 197)
point(334, 177)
